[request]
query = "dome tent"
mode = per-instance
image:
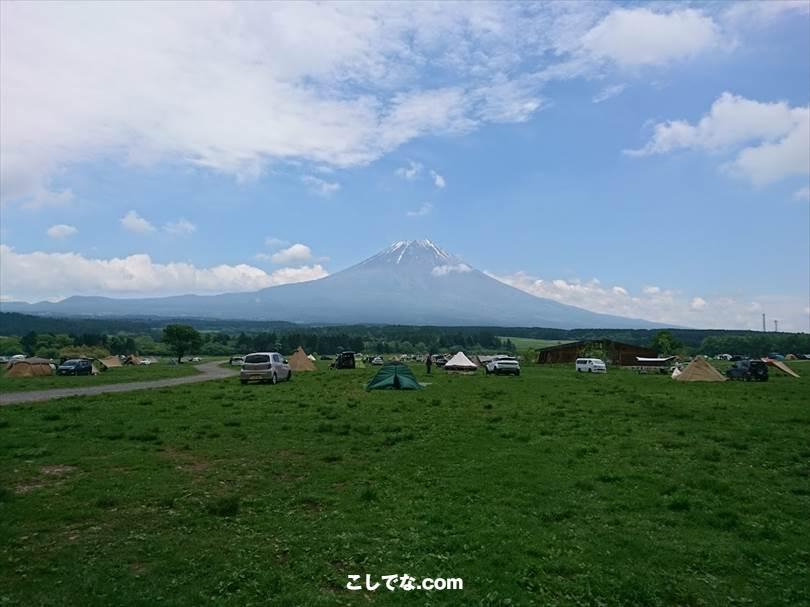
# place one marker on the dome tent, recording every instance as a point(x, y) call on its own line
point(394, 376)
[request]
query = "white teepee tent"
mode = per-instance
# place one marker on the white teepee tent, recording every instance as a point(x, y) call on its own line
point(460, 362)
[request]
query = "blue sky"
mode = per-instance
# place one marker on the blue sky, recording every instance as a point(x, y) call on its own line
point(645, 160)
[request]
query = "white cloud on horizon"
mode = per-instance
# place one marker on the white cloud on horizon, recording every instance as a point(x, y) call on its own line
point(62, 230)
point(444, 270)
point(294, 254)
point(38, 275)
point(665, 306)
point(136, 224)
point(772, 139)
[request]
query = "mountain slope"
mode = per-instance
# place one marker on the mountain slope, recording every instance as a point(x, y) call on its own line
point(410, 282)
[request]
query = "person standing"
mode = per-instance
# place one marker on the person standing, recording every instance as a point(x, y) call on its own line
point(429, 362)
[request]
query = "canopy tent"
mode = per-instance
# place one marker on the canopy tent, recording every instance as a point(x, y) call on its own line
point(700, 370)
point(460, 362)
point(29, 367)
point(781, 366)
point(394, 376)
point(300, 362)
point(109, 362)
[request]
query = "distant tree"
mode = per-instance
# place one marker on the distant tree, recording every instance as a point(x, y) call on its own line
point(665, 343)
point(182, 339)
point(29, 342)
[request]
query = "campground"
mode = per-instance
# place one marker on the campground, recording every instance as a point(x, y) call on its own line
point(551, 488)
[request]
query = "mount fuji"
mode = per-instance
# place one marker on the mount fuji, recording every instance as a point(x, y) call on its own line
point(411, 282)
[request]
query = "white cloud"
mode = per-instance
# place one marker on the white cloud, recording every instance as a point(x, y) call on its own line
point(425, 209)
point(181, 227)
point(320, 186)
point(773, 139)
point(295, 254)
point(137, 224)
point(663, 305)
point(262, 256)
point(32, 276)
point(409, 172)
point(450, 268)
point(802, 194)
point(360, 92)
point(438, 180)
point(608, 93)
point(62, 230)
point(275, 243)
point(640, 36)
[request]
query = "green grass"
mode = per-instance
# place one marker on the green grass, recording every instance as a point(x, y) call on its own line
point(524, 343)
point(118, 375)
point(551, 488)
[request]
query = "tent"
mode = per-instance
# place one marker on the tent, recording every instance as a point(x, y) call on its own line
point(460, 362)
point(791, 357)
point(359, 364)
point(300, 362)
point(109, 362)
point(676, 372)
point(700, 370)
point(29, 367)
point(394, 376)
point(312, 358)
point(781, 366)
point(132, 359)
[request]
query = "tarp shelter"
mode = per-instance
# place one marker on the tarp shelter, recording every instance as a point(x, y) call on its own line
point(700, 370)
point(300, 362)
point(781, 366)
point(394, 376)
point(29, 367)
point(460, 362)
point(109, 362)
point(132, 359)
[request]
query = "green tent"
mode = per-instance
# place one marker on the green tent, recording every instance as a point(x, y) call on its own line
point(394, 376)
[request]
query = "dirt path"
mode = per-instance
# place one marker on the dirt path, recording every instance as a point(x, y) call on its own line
point(208, 371)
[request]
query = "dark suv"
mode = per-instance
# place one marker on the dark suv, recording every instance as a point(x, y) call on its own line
point(75, 366)
point(748, 370)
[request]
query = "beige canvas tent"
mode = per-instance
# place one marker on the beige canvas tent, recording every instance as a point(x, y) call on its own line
point(109, 362)
point(299, 361)
point(460, 363)
point(132, 359)
point(29, 367)
point(781, 366)
point(791, 357)
point(700, 370)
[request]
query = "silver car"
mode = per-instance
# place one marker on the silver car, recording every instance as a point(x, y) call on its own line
point(265, 366)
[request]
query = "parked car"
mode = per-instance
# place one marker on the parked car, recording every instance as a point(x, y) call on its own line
point(236, 361)
point(3, 359)
point(748, 370)
point(439, 361)
point(344, 360)
point(265, 366)
point(590, 365)
point(75, 366)
point(503, 365)
point(145, 361)
point(378, 361)
point(18, 357)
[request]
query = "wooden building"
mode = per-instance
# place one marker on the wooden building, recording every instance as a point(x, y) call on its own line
point(612, 352)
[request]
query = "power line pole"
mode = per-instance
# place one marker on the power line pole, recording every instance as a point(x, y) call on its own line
point(775, 326)
point(763, 322)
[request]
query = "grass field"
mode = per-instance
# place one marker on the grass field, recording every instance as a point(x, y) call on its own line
point(551, 488)
point(524, 343)
point(119, 375)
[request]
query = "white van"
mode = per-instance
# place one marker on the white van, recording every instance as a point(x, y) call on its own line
point(591, 365)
